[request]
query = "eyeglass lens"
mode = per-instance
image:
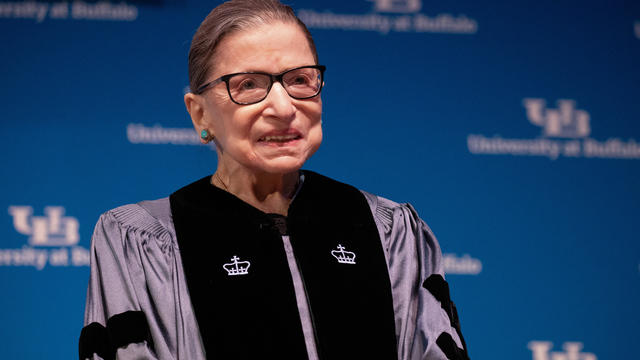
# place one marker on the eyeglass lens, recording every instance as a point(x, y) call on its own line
point(299, 83)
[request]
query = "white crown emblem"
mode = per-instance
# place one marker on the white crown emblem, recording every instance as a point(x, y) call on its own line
point(344, 257)
point(237, 267)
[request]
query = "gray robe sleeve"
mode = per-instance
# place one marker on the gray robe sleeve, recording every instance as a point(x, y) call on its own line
point(413, 255)
point(135, 266)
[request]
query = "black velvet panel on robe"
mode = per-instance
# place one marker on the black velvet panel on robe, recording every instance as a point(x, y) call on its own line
point(254, 315)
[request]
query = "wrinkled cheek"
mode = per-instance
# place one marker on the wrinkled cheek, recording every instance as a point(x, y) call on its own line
point(241, 151)
point(319, 141)
point(315, 139)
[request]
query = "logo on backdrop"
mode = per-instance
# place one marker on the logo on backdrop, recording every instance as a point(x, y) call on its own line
point(52, 239)
point(461, 265)
point(76, 10)
point(397, 6)
point(564, 121)
point(541, 350)
point(401, 16)
point(158, 134)
point(53, 229)
point(636, 27)
point(564, 131)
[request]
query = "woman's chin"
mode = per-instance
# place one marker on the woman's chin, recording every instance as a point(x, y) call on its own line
point(281, 165)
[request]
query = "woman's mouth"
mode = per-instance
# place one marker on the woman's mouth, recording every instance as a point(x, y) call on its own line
point(279, 138)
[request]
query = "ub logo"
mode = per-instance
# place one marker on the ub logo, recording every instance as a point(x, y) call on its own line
point(565, 121)
point(572, 351)
point(397, 6)
point(54, 229)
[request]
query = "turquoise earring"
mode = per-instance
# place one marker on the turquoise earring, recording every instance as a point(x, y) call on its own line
point(204, 134)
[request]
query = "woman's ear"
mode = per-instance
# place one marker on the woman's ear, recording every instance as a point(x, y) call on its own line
point(195, 107)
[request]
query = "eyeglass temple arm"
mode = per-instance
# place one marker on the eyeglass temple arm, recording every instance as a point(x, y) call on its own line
point(204, 87)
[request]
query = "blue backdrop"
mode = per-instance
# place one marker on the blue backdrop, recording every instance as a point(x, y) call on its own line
point(511, 126)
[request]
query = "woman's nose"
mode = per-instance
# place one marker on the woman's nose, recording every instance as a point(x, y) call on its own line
point(280, 104)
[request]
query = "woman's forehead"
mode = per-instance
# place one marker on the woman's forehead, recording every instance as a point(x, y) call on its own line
point(270, 48)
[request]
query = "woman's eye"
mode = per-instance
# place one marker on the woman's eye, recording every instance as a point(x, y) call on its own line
point(248, 84)
point(299, 80)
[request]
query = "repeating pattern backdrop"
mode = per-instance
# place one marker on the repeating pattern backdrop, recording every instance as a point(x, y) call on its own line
point(512, 126)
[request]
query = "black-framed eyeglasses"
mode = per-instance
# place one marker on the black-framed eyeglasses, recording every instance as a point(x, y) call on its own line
point(246, 88)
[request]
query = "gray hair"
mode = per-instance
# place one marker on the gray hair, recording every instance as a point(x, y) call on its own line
point(231, 17)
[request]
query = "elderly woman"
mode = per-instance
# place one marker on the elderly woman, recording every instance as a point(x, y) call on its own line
point(263, 260)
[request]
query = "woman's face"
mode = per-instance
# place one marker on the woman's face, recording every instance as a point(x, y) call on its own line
point(278, 134)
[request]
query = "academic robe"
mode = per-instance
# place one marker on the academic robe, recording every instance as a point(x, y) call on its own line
point(285, 280)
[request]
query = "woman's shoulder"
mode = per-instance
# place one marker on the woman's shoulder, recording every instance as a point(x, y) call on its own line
point(404, 233)
point(145, 215)
point(389, 213)
point(142, 220)
point(385, 211)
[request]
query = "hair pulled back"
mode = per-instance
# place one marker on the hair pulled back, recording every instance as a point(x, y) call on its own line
point(231, 17)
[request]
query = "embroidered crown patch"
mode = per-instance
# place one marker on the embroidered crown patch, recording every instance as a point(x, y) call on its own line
point(237, 267)
point(344, 257)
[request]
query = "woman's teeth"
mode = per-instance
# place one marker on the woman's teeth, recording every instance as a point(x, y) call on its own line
point(279, 138)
